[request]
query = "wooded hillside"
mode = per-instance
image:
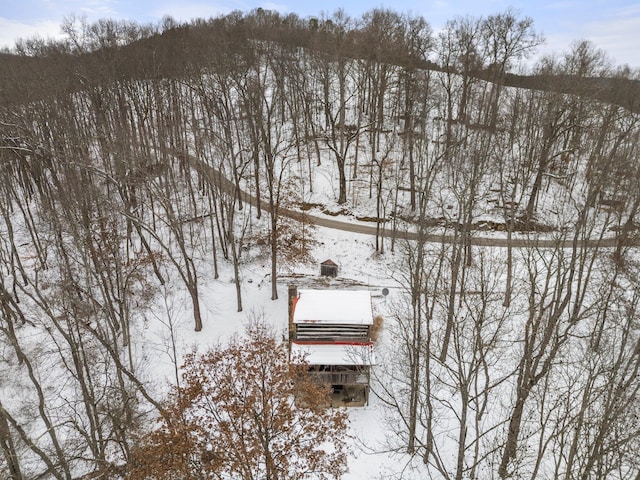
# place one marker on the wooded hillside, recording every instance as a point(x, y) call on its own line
point(126, 151)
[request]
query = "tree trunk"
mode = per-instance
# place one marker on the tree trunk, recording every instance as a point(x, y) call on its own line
point(274, 254)
point(513, 433)
point(8, 448)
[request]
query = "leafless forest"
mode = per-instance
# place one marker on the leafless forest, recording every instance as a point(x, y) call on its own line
point(125, 151)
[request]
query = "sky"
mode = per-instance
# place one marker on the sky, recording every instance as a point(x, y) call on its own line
point(612, 25)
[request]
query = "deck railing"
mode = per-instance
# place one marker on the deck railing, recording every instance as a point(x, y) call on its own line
point(341, 378)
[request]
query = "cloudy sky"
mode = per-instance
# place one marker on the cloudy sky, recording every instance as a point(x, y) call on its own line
point(612, 25)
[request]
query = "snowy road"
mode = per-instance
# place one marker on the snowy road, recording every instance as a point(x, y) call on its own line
point(517, 241)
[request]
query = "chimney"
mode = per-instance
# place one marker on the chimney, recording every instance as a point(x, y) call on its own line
point(293, 295)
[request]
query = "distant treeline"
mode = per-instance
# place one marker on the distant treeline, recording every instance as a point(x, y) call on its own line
point(111, 50)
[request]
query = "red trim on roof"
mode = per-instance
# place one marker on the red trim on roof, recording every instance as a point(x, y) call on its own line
point(355, 344)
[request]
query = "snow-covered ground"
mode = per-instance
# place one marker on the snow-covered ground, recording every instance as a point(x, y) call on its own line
point(167, 322)
point(360, 268)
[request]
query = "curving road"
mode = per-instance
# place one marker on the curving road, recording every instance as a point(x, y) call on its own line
point(533, 241)
point(530, 242)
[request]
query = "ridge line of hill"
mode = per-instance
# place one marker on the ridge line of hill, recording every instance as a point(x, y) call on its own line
point(187, 49)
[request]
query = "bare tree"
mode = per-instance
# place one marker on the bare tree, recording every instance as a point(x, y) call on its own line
point(506, 40)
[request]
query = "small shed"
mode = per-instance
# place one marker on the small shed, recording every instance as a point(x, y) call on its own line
point(329, 268)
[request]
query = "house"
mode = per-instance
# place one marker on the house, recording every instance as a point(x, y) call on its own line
point(330, 330)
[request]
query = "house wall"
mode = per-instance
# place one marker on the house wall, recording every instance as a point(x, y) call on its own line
point(332, 332)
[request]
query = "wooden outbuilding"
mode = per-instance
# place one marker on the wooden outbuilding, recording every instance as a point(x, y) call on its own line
point(329, 268)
